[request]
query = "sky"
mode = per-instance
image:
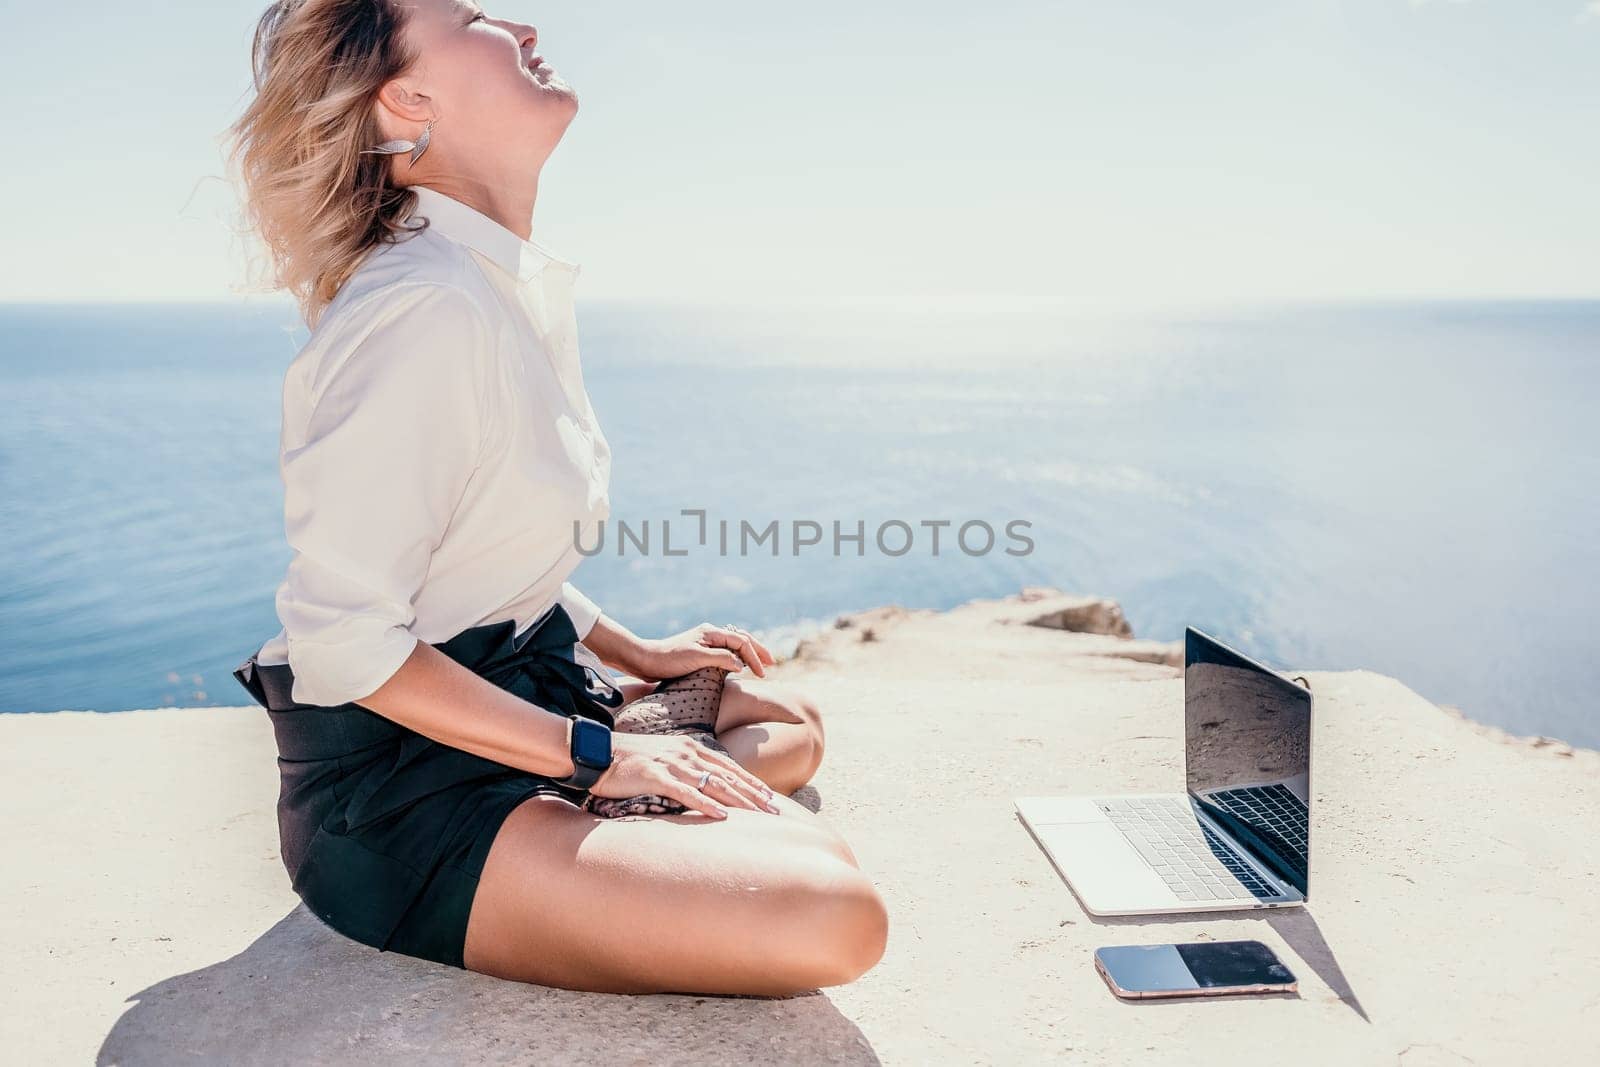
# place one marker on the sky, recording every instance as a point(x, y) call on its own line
point(1075, 155)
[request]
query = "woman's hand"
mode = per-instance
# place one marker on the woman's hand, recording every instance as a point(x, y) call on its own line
point(728, 647)
point(670, 765)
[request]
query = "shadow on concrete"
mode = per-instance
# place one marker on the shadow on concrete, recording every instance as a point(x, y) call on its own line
point(303, 993)
point(808, 797)
point(1296, 926)
point(1299, 930)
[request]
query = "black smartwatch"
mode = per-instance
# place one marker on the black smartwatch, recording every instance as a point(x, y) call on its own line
point(591, 752)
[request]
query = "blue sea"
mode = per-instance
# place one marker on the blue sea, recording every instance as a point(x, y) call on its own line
point(1408, 488)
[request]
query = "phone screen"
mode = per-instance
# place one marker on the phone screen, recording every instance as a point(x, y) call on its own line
point(1196, 968)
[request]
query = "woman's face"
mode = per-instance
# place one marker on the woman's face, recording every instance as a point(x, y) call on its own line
point(497, 102)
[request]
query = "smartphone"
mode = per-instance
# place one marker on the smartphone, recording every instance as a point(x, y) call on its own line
point(1195, 969)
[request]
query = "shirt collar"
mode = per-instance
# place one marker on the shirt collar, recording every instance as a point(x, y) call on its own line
point(471, 227)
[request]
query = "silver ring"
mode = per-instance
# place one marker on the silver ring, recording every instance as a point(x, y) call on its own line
point(705, 776)
point(735, 629)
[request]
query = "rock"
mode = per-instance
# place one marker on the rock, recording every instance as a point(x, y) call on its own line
point(1055, 610)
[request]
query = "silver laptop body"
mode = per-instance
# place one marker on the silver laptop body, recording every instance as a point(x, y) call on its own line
point(1238, 838)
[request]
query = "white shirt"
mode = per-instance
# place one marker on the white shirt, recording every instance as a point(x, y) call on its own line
point(437, 447)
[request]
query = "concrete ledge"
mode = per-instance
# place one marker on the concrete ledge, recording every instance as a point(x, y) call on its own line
point(1452, 918)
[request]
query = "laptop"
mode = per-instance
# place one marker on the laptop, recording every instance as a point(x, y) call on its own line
point(1239, 837)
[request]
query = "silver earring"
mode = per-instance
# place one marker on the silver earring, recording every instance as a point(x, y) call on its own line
point(394, 148)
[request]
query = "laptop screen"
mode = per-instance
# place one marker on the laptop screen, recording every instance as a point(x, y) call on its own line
point(1247, 753)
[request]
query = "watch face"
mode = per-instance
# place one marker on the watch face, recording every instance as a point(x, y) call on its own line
point(591, 742)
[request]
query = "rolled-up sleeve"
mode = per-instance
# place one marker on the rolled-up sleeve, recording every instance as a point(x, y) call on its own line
point(583, 611)
point(393, 433)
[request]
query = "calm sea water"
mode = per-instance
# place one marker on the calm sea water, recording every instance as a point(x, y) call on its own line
point(1408, 489)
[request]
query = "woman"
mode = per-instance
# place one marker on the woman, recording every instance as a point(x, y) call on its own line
point(437, 691)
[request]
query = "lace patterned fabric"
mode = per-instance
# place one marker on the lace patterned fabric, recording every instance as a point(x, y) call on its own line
point(684, 705)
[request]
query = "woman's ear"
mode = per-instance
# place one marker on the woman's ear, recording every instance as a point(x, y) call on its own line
point(401, 107)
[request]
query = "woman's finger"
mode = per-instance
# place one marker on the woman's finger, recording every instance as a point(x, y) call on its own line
point(740, 790)
point(702, 757)
point(761, 650)
point(689, 796)
point(727, 765)
point(747, 649)
point(742, 653)
point(728, 792)
point(727, 660)
point(717, 779)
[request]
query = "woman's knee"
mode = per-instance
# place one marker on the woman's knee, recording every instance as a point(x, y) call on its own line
point(755, 703)
point(808, 712)
point(840, 926)
point(801, 708)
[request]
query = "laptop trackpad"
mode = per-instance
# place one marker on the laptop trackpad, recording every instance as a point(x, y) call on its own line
point(1104, 870)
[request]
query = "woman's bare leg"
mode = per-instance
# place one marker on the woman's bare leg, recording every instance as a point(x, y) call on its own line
point(755, 903)
point(772, 729)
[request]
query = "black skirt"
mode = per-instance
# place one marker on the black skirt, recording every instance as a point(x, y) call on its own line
point(383, 831)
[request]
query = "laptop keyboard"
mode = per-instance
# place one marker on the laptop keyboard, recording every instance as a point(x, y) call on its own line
point(1274, 808)
point(1194, 862)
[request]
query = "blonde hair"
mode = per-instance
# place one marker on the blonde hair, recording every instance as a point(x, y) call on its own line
point(310, 196)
